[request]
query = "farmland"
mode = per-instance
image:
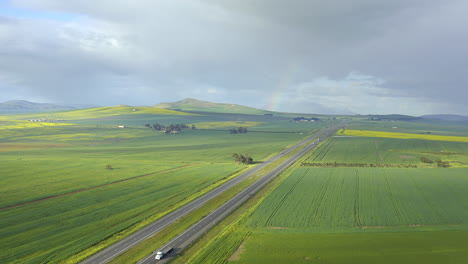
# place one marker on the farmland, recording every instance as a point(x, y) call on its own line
point(387, 248)
point(389, 151)
point(444, 128)
point(356, 199)
point(88, 177)
point(342, 215)
point(367, 133)
point(355, 215)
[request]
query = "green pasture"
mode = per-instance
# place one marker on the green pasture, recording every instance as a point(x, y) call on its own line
point(358, 215)
point(32, 170)
point(343, 215)
point(151, 173)
point(51, 230)
point(389, 151)
point(361, 248)
point(369, 199)
point(99, 112)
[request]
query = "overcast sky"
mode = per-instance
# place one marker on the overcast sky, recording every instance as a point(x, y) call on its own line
point(333, 56)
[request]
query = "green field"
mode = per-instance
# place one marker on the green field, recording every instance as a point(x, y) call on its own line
point(389, 151)
point(58, 198)
point(69, 187)
point(353, 214)
point(364, 215)
point(388, 248)
point(356, 199)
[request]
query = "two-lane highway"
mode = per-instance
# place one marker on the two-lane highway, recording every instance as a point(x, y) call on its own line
point(196, 230)
point(118, 248)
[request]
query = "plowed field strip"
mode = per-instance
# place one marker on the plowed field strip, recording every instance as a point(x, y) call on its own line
point(92, 188)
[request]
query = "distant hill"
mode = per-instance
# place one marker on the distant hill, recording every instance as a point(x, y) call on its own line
point(194, 105)
point(446, 117)
point(390, 117)
point(22, 106)
point(101, 113)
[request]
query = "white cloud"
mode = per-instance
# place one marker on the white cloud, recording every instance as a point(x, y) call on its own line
point(357, 93)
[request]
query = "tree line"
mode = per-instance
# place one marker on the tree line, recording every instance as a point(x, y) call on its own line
point(240, 130)
point(172, 128)
point(440, 163)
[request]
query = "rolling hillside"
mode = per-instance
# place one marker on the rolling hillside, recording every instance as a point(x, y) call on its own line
point(101, 112)
point(446, 117)
point(193, 105)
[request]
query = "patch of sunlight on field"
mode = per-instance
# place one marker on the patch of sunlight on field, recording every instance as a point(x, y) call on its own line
point(80, 137)
point(5, 147)
point(21, 124)
point(103, 112)
point(368, 133)
point(214, 125)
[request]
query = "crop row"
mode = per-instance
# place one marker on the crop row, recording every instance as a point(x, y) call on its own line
point(330, 199)
point(366, 150)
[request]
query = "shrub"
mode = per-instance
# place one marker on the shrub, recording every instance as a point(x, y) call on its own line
point(426, 160)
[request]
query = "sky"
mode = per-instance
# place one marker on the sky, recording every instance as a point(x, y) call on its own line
point(308, 56)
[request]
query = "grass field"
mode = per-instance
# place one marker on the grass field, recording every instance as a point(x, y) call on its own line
point(53, 229)
point(388, 248)
point(389, 151)
point(99, 112)
point(215, 125)
point(58, 177)
point(356, 199)
point(357, 215)
point(339, 215)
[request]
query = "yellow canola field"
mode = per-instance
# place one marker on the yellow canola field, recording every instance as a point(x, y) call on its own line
point(368, 133)
point(215, 125)
point(20, 124)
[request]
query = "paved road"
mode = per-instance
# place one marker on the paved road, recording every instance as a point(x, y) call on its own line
point(118, 248)
point(196, 230)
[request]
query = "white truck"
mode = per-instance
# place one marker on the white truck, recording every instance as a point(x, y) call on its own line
point(161, 253)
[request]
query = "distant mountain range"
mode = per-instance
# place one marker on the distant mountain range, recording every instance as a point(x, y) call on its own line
point(194, 105)
point(22, 106)
point(446, 117)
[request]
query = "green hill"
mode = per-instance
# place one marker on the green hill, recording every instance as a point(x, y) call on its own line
point(193, 105)
point(101, 112)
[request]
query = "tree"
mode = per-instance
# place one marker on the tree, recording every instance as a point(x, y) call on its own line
point(158, 126)
point(242, 159)
point(193, 127)
point(242, 130)
point(442, 164)
point(426, 160)
point(109, 167)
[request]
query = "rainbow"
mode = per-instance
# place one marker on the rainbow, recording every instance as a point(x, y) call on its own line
point(284, 83)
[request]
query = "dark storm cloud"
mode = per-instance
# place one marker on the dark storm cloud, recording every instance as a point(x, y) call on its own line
point(308, 56)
